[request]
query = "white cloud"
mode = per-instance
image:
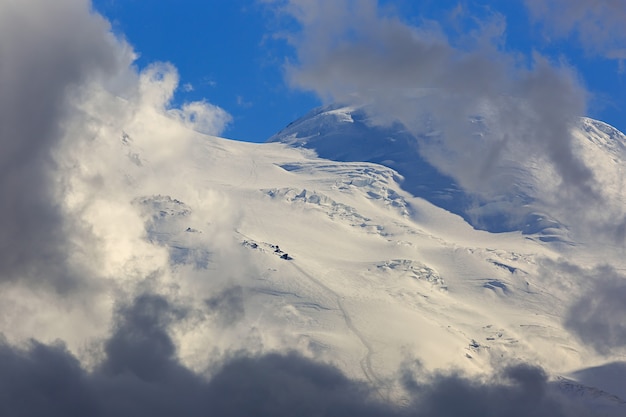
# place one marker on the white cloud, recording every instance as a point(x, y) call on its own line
point(202, 117)
point(242, 102)
point(72, 103)
point(157, 85)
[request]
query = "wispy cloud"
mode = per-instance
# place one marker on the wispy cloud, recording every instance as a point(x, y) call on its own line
point(596, 317)
point(598, 25)
point(242, 102)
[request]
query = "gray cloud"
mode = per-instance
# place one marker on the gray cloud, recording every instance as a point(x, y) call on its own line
point(520, 390)
point(350, 52)
point(597, 317)
point(44, 380)
point(598, 24)
point(227, 306)
point(140, 344)
point(46, 50)
point(141, 376)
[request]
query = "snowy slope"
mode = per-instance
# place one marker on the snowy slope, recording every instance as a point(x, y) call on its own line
point(529, 204)
point(368, 266)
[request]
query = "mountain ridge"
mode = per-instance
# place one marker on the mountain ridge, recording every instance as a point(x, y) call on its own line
point(348, 133)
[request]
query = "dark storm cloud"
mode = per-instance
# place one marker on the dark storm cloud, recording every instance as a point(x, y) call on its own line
point(597, 317)
point(517, 391)
point(348, 51)
point(43, 380)
point(46, 49)
point(598, 24)
point(141, 376)
point(140, 344)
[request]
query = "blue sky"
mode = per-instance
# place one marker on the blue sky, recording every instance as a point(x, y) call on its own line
point(233, 53)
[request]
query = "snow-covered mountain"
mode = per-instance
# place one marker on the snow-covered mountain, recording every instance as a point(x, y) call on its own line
point(350, 134)
point(341, 242)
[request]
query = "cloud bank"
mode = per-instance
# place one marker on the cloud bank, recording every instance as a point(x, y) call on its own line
point(46, 51)
point(140, 376)
point(71, 100)
point(53, 55)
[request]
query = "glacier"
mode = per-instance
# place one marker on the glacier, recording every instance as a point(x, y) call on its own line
point(338, 240)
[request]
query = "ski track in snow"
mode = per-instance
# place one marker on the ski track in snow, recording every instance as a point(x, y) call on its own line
point(366, 361)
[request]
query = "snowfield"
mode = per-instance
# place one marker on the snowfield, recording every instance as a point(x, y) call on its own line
point(349, 262)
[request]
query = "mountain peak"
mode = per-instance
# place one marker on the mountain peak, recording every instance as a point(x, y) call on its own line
point(350, 134)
